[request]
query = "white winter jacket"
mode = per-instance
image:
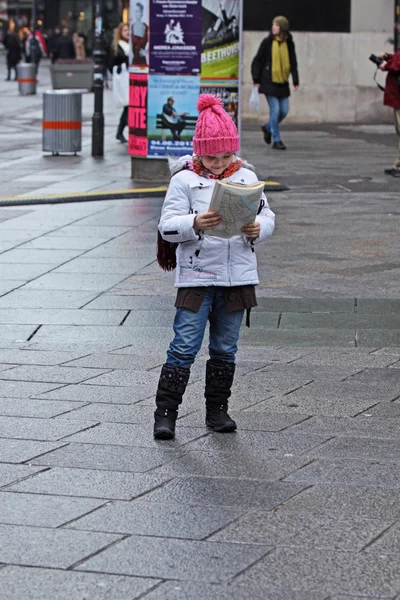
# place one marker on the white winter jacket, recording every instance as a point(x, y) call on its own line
point(208, 260)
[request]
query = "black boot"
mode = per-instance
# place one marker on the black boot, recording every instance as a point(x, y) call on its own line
point(171, 387)
point(278, 146)
point(219, 379)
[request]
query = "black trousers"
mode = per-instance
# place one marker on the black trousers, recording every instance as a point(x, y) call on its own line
point(123, 121)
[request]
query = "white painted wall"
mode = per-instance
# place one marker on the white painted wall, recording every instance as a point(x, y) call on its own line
point(336, 77)
point(372, 15)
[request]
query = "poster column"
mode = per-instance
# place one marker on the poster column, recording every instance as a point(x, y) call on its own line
point(179, 49)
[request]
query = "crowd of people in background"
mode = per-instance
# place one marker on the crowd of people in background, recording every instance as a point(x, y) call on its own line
point(30, 46)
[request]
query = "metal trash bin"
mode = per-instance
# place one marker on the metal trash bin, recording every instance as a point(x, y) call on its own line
point(26, 79)
point(62, 121)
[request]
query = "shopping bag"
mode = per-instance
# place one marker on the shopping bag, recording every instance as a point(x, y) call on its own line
point(121, 86)
point(254, 102)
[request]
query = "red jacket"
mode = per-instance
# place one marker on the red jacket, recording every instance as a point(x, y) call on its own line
point(392, 89)
point(41, 41)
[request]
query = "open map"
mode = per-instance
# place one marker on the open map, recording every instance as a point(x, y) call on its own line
point(237, 204)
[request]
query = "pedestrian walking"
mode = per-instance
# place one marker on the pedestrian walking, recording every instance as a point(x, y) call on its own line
point(216, 277)
point(79, 45)
point(120, 56)
point(35, 48)
point(391, 64)
point(63, 46)
point(14, 54)
point(271, 68)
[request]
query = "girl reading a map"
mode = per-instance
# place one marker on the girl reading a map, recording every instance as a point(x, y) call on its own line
point(215, 276)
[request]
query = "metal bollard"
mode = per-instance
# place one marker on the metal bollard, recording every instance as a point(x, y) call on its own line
point(62, 121)
point(26, 79)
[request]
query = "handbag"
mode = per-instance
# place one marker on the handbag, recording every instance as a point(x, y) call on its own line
point(121, 86)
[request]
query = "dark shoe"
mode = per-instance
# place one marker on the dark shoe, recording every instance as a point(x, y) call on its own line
point(278, 146)
point(393, 172)
point(219, 379)
point(267, 134)
point(121, 138)
point(171, 387)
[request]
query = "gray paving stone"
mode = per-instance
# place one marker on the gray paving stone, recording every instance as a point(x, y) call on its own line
point(91, 483)
point(58, 548)
point(17, 451)
point(356, 358)
point(127, 434)
point(251, 421)
point(314, 372)
point(380, 306)
point(50, 242)
point(51, 374)
point(359, 449)
point(15, 333)
point(38, 256)
point(378, 337)
point(143, 318)
point(298, 337)
point(114, 413)
point(50, 430)
point(24, 272)
point(361, 427)
point(23, 407)
point(378, 377)
point(302, 531)
point(61, 317)
point(126, 302)
point(307, 305)
point(42, 299)
point(108, 458)
point(349, 472)
point(124, 266)
point(261, 443)
point(13, 473)
point(339, 321)
point(233, 465)
point(348, 390)
point(42, 511)
point(174, 590)
point(388, 543)
point(91, 393)
point(91, 232)
point(139, 362)
point(143, 383)
point(313, 405)
point(206, 491)
point(346, 501)
point(154, 519)
point(204, 561)
point(35, 357)
point(327, 571)
point(386, 410)
point(51, 584)
point(24, 389)
point(98, 282)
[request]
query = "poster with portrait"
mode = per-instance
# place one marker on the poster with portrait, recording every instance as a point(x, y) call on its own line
point(229, 96)
point(139, 33)
point(171, 114)
point(220, 47)
point(137, 114)
point(175, 43)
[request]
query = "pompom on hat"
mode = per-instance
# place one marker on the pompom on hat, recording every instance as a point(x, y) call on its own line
point(215, 131)
point(282, 22)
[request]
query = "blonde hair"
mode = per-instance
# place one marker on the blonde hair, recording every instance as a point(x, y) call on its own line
point(118, 36)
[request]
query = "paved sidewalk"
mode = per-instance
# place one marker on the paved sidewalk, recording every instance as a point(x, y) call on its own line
point(303, 502)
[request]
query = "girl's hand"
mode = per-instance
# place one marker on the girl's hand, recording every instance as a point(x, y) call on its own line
point(252, 230)
point(207, 220)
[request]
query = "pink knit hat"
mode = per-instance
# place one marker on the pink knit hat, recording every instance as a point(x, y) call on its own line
point(215, 131)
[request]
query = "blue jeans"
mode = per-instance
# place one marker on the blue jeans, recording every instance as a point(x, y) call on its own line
point(278, 110)
point(189, 330)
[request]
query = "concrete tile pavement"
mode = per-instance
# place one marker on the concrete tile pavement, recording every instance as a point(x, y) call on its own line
point(302, 503)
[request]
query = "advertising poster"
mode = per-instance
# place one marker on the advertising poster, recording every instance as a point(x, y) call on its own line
point(137, 114)
point(175, 42)
point(229, 96)
point(139, 36)
point(220, 48)
point(171, 114)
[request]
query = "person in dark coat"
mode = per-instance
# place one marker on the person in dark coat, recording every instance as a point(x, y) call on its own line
point(63, 46)
point(271, 68)
point(391, 98)
point(14, 54)
point(120, 55)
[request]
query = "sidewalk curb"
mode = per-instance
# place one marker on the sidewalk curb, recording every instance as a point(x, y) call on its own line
point(157, 192)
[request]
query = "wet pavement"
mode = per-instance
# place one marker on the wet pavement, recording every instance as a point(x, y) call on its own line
point(302, 503)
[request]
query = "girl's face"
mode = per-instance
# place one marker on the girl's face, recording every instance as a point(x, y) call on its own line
point(125, 33)
point(276, 29)
point(217, 163)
